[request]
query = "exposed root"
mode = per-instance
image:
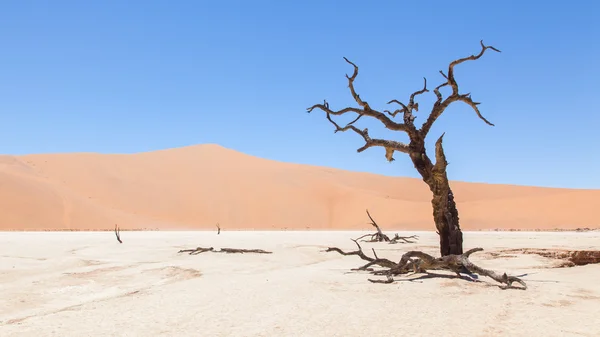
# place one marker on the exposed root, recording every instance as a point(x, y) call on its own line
point(199, 250)
point(420, 262)
point(118, 233)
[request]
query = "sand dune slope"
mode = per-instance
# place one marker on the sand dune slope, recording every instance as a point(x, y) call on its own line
point(197, 186)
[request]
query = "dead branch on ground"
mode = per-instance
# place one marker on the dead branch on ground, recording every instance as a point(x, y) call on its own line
point(242, 251)
point(380, 237)
point(118, 233)
point(196, 251)
point(199, 250)
point(419, 262)
point(404, 239)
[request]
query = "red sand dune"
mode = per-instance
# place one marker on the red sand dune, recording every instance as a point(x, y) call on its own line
point(195, 187)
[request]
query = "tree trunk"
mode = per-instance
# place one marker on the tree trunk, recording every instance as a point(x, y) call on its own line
point(446, 219)
point(445, 214)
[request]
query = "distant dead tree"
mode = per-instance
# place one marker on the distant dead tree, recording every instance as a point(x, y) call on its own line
point(445, 213)
point(118, 233)
point(378, 236)
point(218, 229)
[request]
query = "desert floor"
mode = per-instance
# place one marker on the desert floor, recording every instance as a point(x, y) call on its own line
point(87, 284)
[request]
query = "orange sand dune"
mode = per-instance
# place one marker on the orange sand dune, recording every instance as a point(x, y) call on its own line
point(195, 187)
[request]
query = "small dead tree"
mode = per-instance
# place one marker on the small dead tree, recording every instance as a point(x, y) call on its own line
point(419, 262)
point(445, 213)
point(118, 233)
point(218, 229)
point(378, 236)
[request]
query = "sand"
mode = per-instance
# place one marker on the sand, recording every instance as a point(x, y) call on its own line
point(197, 186)
point(86, 284)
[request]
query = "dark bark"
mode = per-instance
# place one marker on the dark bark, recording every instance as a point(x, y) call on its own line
point(445, 213)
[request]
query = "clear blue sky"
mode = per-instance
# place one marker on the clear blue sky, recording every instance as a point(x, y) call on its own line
point(129, 76)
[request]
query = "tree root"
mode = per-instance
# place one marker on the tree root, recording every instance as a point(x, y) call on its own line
point(419, 262)
point(199, 250)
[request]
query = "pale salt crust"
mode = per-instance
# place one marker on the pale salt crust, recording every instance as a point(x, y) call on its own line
point(87, 284)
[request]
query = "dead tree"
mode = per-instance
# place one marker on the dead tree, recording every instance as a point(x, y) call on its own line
point(419, 262)
point(218, 229)
point(445, 213)
point(118, 233)
point(380, 237)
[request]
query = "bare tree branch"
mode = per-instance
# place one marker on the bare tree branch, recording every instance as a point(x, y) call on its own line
point(441, 104)
point(408, 109)
point(451, 79)
point(372, 261)
point(365, 108)
point(389, 145)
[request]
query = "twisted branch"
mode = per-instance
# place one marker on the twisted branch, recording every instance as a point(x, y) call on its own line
point(441, 104)
point(366, 109)
point(408, 109)
point(389, 145)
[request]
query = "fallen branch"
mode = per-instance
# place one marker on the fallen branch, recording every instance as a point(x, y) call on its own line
point(199, 250)
point(118, 233)
point(196, 251)
point(372, 261)
point(405, 239)
point(419, 262)
point(242, 251)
